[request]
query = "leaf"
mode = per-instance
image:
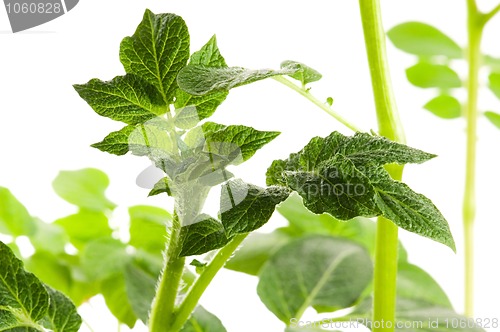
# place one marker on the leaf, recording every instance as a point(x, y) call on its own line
point(209, 55)
point(203, 321)
point(304, 74)
point(199, 80)
point(203, 235)
point(316, 271)
point(141, 290)
point(62, 315)
point(493, 117)
point(148, 228)
point(150, 140)
point(23, 298)
point(14, 218)
point(157, 51)
point(102, 258)
point(162, 186)
point(427, 75)
point(115, 294)
point(84, 188)
point(423, 40)
point(445, 106)
point(48, 237)
point(494, 84)
point(117, 142)
point(125, 98)
point(245, 207)
point(51, 270)
point(85, 226)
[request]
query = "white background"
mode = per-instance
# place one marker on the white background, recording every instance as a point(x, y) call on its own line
point(45, 127)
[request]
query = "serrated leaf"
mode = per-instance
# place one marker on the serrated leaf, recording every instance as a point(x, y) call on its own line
point(148, 228)
point(203, 321)
point(141, 290)
point(124, 98)
point(84, 188)
point(162, 186)
point(102, 258)
point(157, 51)
point(115, 294)
point(23, 299)
point(62, 315)
point(199, 80)
point(445, 106)
point(423, 40)
point(315, 271)
point(245, 207)
point(116, 142)
point(494, 83)
point(85, 226)
point(303, 74)
point(427, 75)
point(203, 235)
point(493, 117)
point(14, 218)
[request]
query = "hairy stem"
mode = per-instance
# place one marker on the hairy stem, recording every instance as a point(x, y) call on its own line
point(201, 284)
point(386, 251)
point(475, 25)
point(304, 92)
point(163, 305)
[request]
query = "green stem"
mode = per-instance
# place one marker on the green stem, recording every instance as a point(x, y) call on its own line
point(492, 13)
point(386, 251)
point(476, 22)
point(201, 284)
point(305, 92)
point(164, 303)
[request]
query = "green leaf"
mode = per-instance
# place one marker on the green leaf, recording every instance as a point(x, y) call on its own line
point(148, 228)
point(245, 207)
point(199, 80)
point(14, 218)
point(445, 106)
point(316, 271)
point(427, 75)
point(115, 294)
point(203, 235)
point(84, 188)
point(423, 40)
point(62, 315)
point(23, 299)
point(157, 51)
point(141, 290)
point(203, 321)
point(51, 270)
point(49, 237)
point(494, 84)
point(304, 74)
point(209, 55)
point(493, 117)
point(116, 142)
point(85, 226)
point(150, 140)
point(162, 186)
point(103, 258)
point(125, 98)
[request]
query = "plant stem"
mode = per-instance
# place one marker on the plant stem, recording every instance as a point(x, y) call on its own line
point(164, 303)
point(492, 13)
point(304, 92)
point(476, 21)
point(386, 251)
point(201, 284)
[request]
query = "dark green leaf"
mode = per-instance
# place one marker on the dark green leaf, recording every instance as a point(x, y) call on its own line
point(199, 80)
point(316, 271)
point(494, 84)
point(162, 186)
point(115, 294)
point(245, 207)
point(84, 188)
point(427, 75)
point(157, 51)
point(125, 98)
point(493, 117)
point(445, 106)
point(203, 321)
point(85, 226)
point(116, 142)
point(62, 315)
point(203, 235)
point(14, 218)
point(423, 40)
point(209, 55)
point(148, 228)
point(141, 289)
point(303, 73)
point(103, 258)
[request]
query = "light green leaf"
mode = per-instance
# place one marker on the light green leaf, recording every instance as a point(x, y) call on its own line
point(199, 80)
point(51, 270)
point(141, 290)
point(116, 142)
point(150, 140)
point(423, 40)
point(203, 321)
point(14, 218)
point(49, 237)
point(203, 235)
point(148, 228)
point(84, 188)
point(427, 75)
point(125, 98)
point(162, 186)
point(445, 106)
point(62, 315)
point(245, 207)
point(316, 271)
point(103, 258)
point(157, 51)
point(85, 226)
point(23, 298)
point(493, 117)
point(304, 74)
point(494, 84)
point(115, 294)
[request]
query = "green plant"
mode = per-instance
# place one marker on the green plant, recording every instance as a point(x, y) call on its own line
point(437, 53)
